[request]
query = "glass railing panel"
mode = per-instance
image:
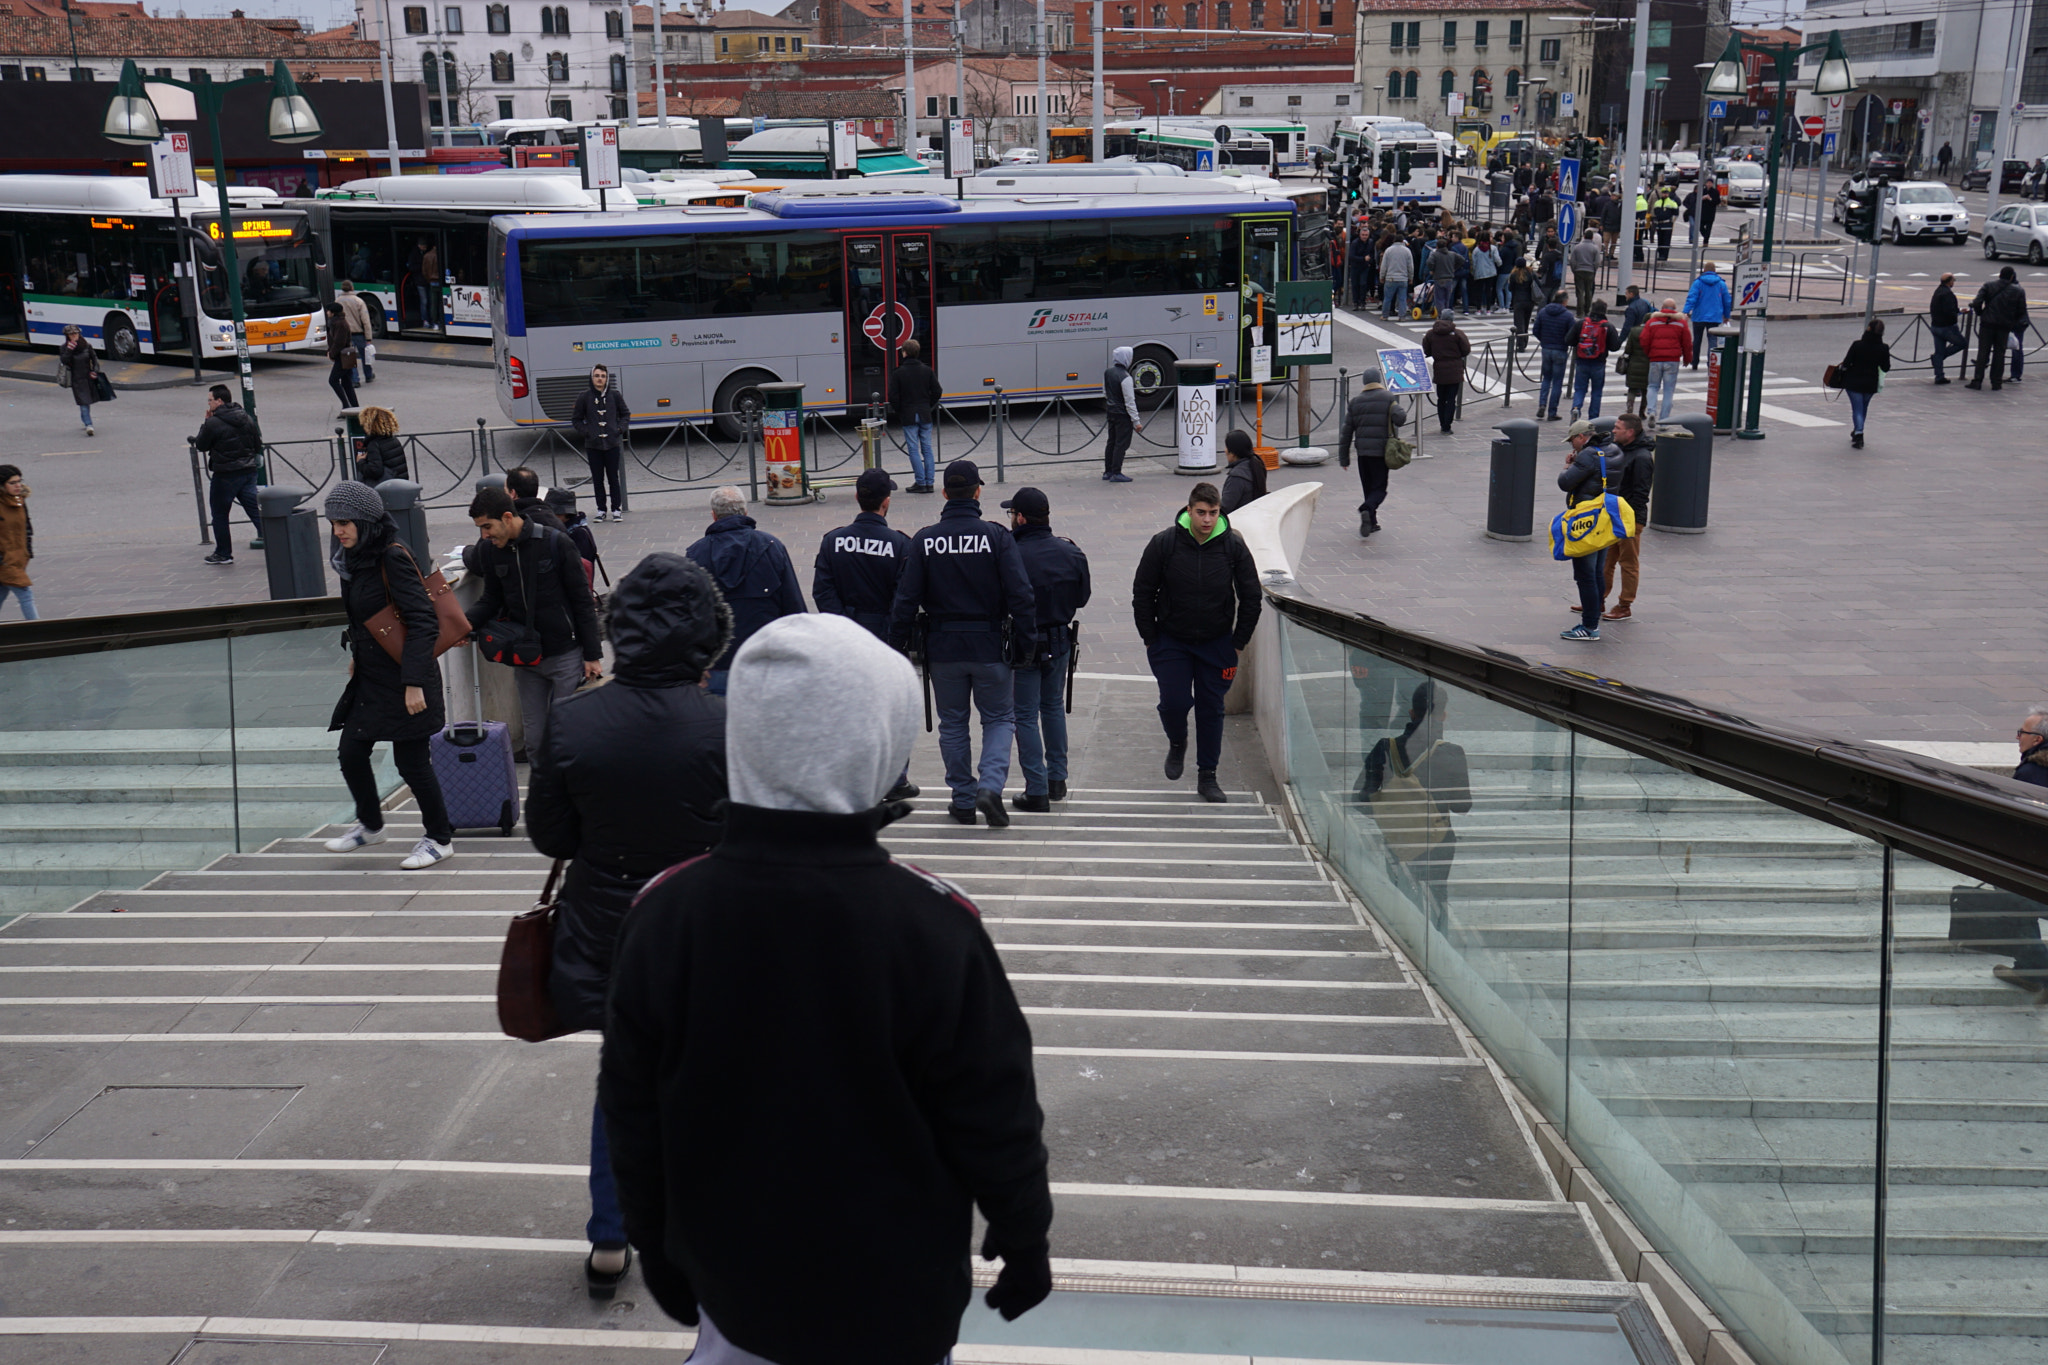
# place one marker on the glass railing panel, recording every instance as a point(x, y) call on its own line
point(1724, 1035)
point(286, 685)
point(1966, 1217)
point(118, 768)
point(1466, 865)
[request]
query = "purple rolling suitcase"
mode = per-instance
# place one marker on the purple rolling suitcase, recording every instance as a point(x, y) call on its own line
point(473, 760)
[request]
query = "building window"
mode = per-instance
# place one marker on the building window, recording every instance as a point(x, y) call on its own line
point(11, 72)
point(34, 73)
point(163, 71)
point(1223, 14)
point(796, 45)
point(614, 25)
point(618, 107)
point(415, 18)
point(1294, 101)
point(1244, 101)
point(618, 65)
point(1447, 82)
point(781, 45)
point(1479, 28)
point(1343, 101)
point(1026, 104)
point(725, 45)
point(1514, 83)
point(434, 119)
point(501, 66)
point(81, 73)
point(1550, 50)
point(1660, 33)
point(451, 19)
point(1482, 84)
point(498, 18)
point(1129, 14)
point(1326, 15)
point(193, 74)
point(1397, 38)
point(504, 108)
point(1450, 33)
point(1191, 17)
point(1258, 13)
point(931, 106)
point(1290, 13)
point(559, 109)
point(1414, 85)
point(554, 20)
point(558, 66)
point(1514, 33)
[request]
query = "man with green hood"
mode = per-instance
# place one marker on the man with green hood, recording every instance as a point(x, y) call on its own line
point(1196, 599)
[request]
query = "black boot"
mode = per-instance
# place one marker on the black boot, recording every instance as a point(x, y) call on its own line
point(990, 804)
point(1176, 761)
point(1056, 789)
point(1365, 525)
point(604, 1284)
point(1207, 787)
point(906, 790)
point(1037, 805)
point(964, 814)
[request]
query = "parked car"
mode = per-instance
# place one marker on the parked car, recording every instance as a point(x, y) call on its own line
point(1913, 210)
point(1019, 156)
point(1890, 164)
point(931, 156)
point(1683, 167)
point(1979, 176)
point(2017, 230)
point(1745, 181)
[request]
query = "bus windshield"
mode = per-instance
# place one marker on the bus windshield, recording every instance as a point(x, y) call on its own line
point(275, 255)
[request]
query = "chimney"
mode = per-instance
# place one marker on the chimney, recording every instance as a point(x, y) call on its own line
point(236, 14)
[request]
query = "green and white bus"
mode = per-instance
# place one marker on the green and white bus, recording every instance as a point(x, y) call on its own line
point(1203, 146)
point(101, 254)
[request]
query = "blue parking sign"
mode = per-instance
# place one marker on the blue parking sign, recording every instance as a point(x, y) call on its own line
point(1717, 109)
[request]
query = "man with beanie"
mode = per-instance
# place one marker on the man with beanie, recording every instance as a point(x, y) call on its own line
point(533, 577)
point(858, 567)
point(798, 981)
point(602, 418)
point(1246, 480)
point(1196, 599)
point(752, 569)
point(1059, 587)
point(1120, 406)
point(1372, 416)
point(967, 578)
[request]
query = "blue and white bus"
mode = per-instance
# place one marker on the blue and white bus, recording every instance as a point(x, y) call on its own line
point(695, 309)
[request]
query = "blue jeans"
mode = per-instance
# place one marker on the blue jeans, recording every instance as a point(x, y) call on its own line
point(1193, 675)
point(607, 1226)
point(85, 414)
point(990, 689)
point(1588, 375)
point(1041, 704)
point(1587, 572)
point(1664, 376)
point(1550, 388)
point(227, 490)
point(716, 683)
point(28, 613)
point(918, 444)
point(1859, 407)
point(1395, 294)
point(1948, 341)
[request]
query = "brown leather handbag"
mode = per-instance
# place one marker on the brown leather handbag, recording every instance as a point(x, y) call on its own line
point(389, 630)
point(526, 1008)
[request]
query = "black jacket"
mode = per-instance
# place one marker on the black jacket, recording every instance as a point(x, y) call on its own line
point(230, 440)
point(1860, 367)
point(857, 569)
point(539, 580)
point(372, 706)
point(381, 458)
point(1196, 590)
point(805, 1034)
point(966, 576)
point(1058, 571)
point(2034, 767)
point(1943, 310)
point(1581, 478)
point(75, 368)
point(1370, 418)
point(1638, 471)
point(631, 778)
point(914, 392)
point(2000, 303)
point(601, 419)
point(1244, 482)
point(752, 569)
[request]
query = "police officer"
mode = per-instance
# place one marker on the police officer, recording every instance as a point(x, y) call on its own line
point(857, 570)
point(1059, 588)
point(967, 578)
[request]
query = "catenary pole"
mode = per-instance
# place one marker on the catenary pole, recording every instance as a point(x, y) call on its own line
point(1095, 87)
point(1632, 156)
point(390, 110)
point(1044, 144)
point(909, 83)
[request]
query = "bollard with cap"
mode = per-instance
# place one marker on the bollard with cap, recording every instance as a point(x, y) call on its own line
point(402, 500)
point(1511, 481)
point(1196, 417)
point(292, 558)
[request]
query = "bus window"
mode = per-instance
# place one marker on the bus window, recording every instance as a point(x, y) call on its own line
point(967, 265)
point(465, 253)
point(56, 260)
point(275, 280)
point(363, 254)
point(1072, 147)
point(1119, 144)
point(1071, 256)
point(1017, 248)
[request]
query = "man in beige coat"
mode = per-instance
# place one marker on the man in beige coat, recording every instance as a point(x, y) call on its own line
point(358, 314)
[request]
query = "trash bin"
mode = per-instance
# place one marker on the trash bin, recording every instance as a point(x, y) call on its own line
point(1511, 485)
point(1196, 417)
point(1500, 195)
point(1724, 375)
point(291, 542)
point(782, 443)
point(1685, 468)
point(402, 501)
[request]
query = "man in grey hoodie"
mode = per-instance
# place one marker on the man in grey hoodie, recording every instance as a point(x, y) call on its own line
point(1120, 405)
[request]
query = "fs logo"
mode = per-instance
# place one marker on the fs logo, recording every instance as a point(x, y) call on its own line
point(1046, 316)
point(1039, 319)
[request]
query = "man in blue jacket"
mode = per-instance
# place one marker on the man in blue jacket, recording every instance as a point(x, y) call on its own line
point(1555, 327)
point(752, 569)
point(1708, 303)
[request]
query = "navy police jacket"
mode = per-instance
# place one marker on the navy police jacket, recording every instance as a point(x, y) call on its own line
point(1058, 572)
point(857, 570)
point(967, 577)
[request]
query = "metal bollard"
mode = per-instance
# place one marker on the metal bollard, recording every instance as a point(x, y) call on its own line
point(1001, 413)
point(291, 542)
point(402, 501)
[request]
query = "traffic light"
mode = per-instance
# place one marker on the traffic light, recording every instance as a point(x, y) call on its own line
point(1349, 176)
point(1859, 212)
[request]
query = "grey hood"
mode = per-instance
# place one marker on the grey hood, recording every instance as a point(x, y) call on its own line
point(820, 716)
point(1121, 356)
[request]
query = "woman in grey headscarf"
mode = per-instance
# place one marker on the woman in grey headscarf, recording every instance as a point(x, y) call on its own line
point(386, 700)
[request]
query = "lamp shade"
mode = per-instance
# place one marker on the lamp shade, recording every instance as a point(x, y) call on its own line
point(291, 116)
point(131, 118)
point(1728, 79)
point(1835, 77)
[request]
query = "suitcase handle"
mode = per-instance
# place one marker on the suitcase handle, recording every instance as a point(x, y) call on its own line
point(466, 736)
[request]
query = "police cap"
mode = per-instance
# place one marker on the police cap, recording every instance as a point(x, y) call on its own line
point(874, 483)
point(962, 474)
point(1030, 504)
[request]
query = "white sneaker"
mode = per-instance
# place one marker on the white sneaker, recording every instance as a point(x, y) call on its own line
point(426, 853)
point(355, 839)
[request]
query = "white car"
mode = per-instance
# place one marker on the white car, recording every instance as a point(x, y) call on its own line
point(1745, 181)
point(2017, 230)
point(1914, 209)
point(1019, 156)
point(931, 156)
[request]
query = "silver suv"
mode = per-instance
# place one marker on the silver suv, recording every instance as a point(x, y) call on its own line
point(1914, 210)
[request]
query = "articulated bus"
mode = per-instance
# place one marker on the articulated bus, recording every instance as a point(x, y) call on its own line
point(99, 253)
point(695, 309)
point(1289, 139)
point(1403, 162)
point(413, 245)
point(1193, 145)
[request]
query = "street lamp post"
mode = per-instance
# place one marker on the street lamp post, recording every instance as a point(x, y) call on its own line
point(1158, 84)
point(1377, 91)
point(1699, 186)
point(1532, 88)
point(132, 119)
point(1728, 80)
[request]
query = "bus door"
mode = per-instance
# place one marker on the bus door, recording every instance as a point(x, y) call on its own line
point(422, 256)
point(12, 322)
point(1266, 246)
point(888, 302)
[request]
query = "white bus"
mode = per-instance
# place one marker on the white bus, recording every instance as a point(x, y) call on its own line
point(1202, 146)
point(413, 245)
point(1403, 162)
point(695, 309)
point(99, 253)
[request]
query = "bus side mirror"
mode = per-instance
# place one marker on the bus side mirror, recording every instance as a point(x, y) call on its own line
point(203, 247)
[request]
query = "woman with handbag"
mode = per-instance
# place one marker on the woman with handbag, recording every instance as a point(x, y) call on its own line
point(629, 780)
point(343, 355)
point(78, 369)
point(386, 699)
point(1861, 375)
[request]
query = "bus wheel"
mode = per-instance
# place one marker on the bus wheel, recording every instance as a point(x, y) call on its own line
point(739, 397)
point(1152, 377)
point(380, 327)
point(121, 340)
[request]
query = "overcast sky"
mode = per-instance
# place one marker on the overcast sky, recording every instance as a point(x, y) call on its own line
point(321, 14)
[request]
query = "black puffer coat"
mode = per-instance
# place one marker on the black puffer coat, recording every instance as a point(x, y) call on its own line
point(631, 779)
point(382, 457)
point(75, 369)
point(1370, 418)
point(372, 706)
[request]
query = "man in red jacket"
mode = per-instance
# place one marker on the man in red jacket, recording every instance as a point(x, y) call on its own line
point(1667, 340)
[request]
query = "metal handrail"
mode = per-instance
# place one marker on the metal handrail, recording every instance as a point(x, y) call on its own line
point(50, 639)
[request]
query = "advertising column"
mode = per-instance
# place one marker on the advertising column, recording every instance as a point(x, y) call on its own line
point(1196, 409)
point(782, 442)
